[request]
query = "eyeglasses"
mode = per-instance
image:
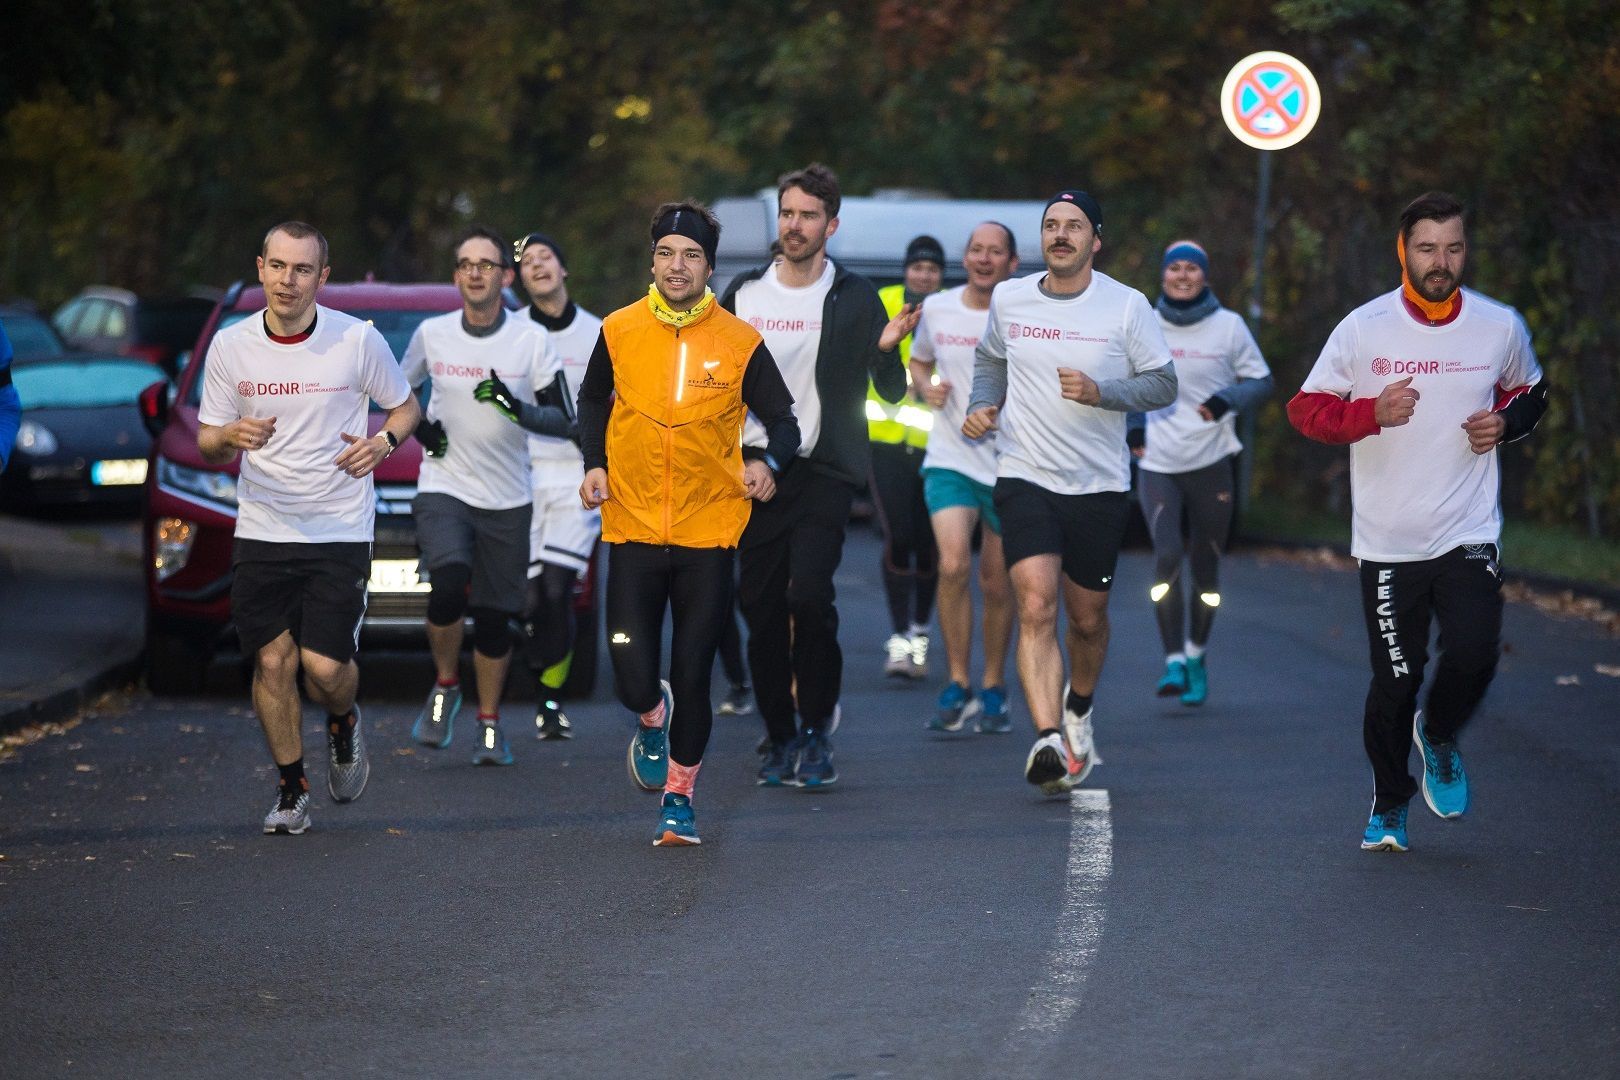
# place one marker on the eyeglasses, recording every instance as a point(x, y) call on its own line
point(483, 266)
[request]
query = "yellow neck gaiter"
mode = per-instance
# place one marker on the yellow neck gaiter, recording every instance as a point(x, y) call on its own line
point(1437, 311)
point(669, 316)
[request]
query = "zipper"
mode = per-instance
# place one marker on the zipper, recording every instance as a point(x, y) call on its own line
point(668, 436)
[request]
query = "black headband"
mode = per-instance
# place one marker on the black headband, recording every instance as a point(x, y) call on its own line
point(682, 222)
point(1087, 205)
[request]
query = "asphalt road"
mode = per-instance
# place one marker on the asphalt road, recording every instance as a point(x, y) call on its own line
point(1202, 909)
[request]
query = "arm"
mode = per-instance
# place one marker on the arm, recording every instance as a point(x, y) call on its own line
point(595, 402)
point(1331, 419)
point(1136, 432)
point(883, 362)
point(767, 397)
point(545, 417)
point(1254, 383)
point(1143, 392)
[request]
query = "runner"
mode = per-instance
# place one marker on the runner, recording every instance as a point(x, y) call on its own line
point(829, 333)
point(959, 475)
point(1441, 375)
point(10, 403)
point(899, 435)
point(1066, 354)
point(562, 536)
point(289, 391)
point(1186, 454)
point(661, 420)
point(493, 379)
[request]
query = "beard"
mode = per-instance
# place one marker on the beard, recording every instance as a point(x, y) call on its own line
point(1433, 288)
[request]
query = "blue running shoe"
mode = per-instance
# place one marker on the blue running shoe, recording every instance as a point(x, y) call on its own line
point(648, 756)
point(437, 719)
point(781, 765)
point(1174, 680)
point(1445, 785)
point(1386, 831)
point(677, 824)
point(816, 761)
point(492, 748)
point(956, 706)
point(1197, 682)
point(994, 716)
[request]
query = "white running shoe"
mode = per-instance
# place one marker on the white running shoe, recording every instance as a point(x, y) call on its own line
point(1049, 765)
point(289, 815)
point(919, 656)
point(1082, 746)
point(898, 664)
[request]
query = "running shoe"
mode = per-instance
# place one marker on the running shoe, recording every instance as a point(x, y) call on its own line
point(1386, 831)
point(739, 701)
point(956, 707)
point(918, 645)
point(1174, 680)
point(1197, 682)
point(492, 748)
point(677, 824)
point(1082, 747)
point(550, 723)
point(349, 766)
point(898, 664)
point(781, 765)
point(1048, 766)
point(438, 716)
point(290, 814)
point(816, 761)
point(995, 718)
point(1445, 785)
point(648, 756)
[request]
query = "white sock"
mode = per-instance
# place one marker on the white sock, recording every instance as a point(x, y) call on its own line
point(917, 630)
point(1175, 658)
point(1194, 651)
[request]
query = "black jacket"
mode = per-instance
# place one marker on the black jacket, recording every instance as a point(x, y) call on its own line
point(852, 320)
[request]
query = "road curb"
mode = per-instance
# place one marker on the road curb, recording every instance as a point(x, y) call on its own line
point(63, 702)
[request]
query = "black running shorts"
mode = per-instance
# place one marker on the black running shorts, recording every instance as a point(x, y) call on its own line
point(1085, 531)
point(316, 591)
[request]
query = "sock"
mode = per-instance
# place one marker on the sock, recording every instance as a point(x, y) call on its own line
point(681, 778)
point(554, 676)
point(654, 717)
point(918, 630)
point(451, 683)
point(292, 776)
point(1194, 651)
point(488, 717)
point(1175, 658)
point(1041, 733)
point(1077, 703)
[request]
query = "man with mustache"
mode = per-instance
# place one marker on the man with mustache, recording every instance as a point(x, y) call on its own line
point(1064, 356)
point(1425, 382)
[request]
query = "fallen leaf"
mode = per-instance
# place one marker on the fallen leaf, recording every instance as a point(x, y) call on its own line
point(1568, 680)
point(89, 858)
point(1611, 670)
point(183, 855)
point(84, 768)
point(404, 751)
point(137, 798)
point(396, 832)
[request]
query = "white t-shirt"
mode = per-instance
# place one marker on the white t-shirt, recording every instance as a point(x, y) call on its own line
point(487, 465)
point(790, 322)
point(1210, 355)
point(1418, 490)
point(946, 337)
point(1109, 331)
point(558, 461)
point(290, 492)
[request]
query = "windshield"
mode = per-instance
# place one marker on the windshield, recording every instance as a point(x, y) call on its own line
point(396, 326)
point(82, 384)
point(31, 336)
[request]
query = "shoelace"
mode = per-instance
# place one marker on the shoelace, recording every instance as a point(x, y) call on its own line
point(288, 799)
point(342, 745)
point(1446, 763)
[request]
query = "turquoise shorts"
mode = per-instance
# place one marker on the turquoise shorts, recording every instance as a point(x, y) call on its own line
point(944, 488)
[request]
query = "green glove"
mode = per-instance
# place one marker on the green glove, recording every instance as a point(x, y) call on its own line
point(496, 393)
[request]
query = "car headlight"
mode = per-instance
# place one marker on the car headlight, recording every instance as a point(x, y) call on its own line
point(216, 487)
point(171, 546)
point(35, 439)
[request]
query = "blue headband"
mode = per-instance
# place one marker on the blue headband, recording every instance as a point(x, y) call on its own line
point(1185, 249)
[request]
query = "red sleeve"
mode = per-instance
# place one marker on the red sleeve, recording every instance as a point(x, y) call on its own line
point(1505, 395)
point(1331, 419)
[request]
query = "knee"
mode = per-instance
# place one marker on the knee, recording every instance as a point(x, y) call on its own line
point(1088, 624)
point(323, 671)
point(492, 635)
point(810, 604)
point(1036, 609)
point(954, 567)
point(447, 595)
point(277, 663)
point(1476, 655)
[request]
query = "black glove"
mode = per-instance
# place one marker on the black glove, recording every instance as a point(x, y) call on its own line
point(1136, 437)
point(1218, 407)
point(431, 434)
point(494, 392)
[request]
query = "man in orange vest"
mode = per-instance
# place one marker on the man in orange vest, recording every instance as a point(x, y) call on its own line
point(661, 413)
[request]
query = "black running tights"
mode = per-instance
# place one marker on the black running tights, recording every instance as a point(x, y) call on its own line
point(548, 616)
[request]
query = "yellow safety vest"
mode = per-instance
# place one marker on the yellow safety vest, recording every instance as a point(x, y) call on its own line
point(908, 421)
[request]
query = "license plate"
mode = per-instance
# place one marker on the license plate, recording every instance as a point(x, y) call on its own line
point(118, 472)
point(396, 576)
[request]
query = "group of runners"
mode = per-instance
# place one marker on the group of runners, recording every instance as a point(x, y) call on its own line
point(717, 445)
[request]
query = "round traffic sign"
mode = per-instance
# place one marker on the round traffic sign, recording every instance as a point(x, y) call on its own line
point(1270, 100)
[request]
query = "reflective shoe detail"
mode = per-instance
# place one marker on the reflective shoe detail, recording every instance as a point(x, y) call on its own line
point(995, 718)
point(348, 763)
point(898, 662)
point(919, 656)
point(1174, 681)
point(835, 719)
point(956, 707)
point(1197, 682)
point(1386, 831)
point(492, 747)
point(1047, 766)
point(289, 815)
point(781, 765)
point(816, 761)
point(550, 723)
point(437, 719)
point(1445, 784)
point(677, 824)
point(648, 756)
point(1082, 747)
point(739, 701)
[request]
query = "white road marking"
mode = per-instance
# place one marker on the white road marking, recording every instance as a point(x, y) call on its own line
point(1078, 933)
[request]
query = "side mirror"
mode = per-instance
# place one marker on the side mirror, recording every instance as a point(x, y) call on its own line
point(154, 406)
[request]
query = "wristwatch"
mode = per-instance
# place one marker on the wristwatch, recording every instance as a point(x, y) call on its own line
point(393, 443)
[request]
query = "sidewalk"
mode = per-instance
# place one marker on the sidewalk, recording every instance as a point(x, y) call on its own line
point(72, 617)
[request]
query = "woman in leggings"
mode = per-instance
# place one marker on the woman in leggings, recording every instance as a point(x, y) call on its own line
point(1186, 453)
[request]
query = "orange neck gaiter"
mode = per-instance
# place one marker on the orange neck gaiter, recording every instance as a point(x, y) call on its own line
point(1435, 311)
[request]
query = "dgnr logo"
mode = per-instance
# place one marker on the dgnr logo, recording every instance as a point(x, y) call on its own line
point(266, 389)
point(1043, 333)
point(1381, 365)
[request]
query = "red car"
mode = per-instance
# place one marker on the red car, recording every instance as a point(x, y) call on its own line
point(189, 507)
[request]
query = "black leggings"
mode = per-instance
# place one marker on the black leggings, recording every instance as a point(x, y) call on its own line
point(1206, 495)
point(910, 559)
point(548, 616)
point(696, 585)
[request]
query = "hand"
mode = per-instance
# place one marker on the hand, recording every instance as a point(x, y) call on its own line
point(1396, 403)
point(759, 481)
point(1136, 440)
point(594, 491)
point(981, 422)
point(1077, 386)
point(434, 439)
point(1215, 408)
point(936, 394)
point(1485, 429)
point(494, 392)
point(361, 455)
point(250, 433)
point(903, 323)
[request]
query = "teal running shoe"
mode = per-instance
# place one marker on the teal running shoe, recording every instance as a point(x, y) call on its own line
point(781, 765)
point(1197, 682)
point(1445, 785)
point(995, 718)
point(956, 706)
point(648, 756)
point(1386, 831)
point(437, 719)
point(492, 747)
point(677, 824)
point(1174, 680)
point(816, 761)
